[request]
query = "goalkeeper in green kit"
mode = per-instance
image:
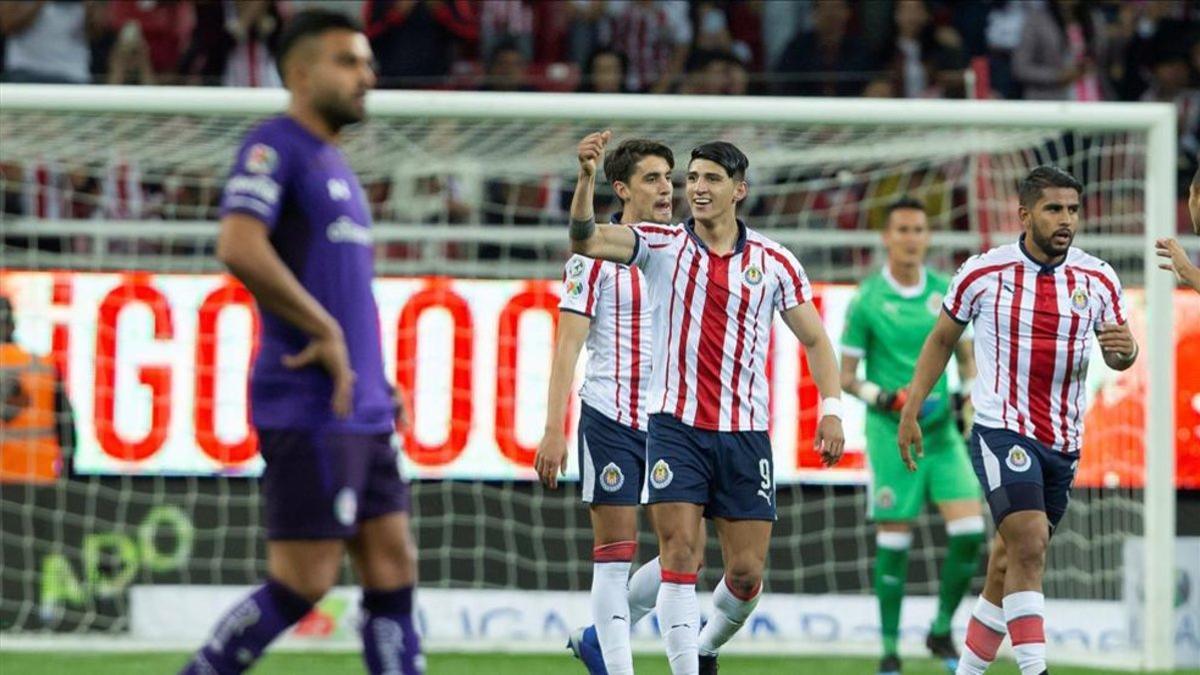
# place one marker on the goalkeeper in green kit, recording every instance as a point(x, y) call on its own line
point(886, 325)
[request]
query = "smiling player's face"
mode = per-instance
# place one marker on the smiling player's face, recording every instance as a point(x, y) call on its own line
point(338, 76)
point(1053, 220)
point(711, 192)
point(649, 193)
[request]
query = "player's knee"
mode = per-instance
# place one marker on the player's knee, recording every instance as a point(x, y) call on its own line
point(1029, 552)
point(744, 581)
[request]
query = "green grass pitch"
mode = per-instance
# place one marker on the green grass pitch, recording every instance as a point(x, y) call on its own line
point(293, 663)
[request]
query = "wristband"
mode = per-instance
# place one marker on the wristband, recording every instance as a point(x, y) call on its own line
point(966, 386)
point(869, 392)
point(831, 406)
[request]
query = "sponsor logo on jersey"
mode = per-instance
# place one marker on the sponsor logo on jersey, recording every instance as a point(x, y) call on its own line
point(661, 475)
point(1079, 300)
point(574, 288)
point(261, 158)
point(1018, 459)
point(346, 231)
point(753, 275)
point(934, 303)
point(575, 268)
point(611, 478)
point(345, 506)
point(339, 189)
point(262, 188)
point(885, 498)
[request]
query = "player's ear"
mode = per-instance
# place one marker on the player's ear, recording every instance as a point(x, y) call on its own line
point(1023, 214)
point(740, 192)
point(622, 190)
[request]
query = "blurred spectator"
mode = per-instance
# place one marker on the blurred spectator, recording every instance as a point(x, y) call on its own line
point(1147, 27)
point(48, 41)
point(508, 70)
point(416, 41)
point(737, 78)
point(1060, 55)
point(725, 26)
point(506, 21)
point(1169, 83)
point(707, 73)
point(924, 60)
point(582, 19)
point(150, 36)
point(824, 60)
point(604, 72)
point(233, 43)
point(1005, 24)
point(655, 36)
point(780, 21)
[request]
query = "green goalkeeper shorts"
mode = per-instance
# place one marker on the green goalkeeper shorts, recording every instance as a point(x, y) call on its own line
point(944, 474)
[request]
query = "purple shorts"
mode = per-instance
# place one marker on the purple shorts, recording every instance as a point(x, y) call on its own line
point(321, 485)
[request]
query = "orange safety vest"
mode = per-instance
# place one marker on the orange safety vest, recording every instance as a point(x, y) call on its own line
point(29, 450)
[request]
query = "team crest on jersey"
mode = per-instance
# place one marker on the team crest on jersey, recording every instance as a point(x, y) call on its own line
point(934, 303)
point(345, 506)
point(753, 275)
point(575, 268)
point(661, 475)
point(1018, 459)
point(574, 288)
point(1079, 300)
point(261, 158)
point(611, 478)
point(885, 498)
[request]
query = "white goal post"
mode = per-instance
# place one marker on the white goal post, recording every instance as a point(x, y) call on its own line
point(932, 122)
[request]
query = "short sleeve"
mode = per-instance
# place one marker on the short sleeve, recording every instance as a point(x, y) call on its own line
point(856, 331)
point(1112, 297)
point(257, 179)
point(793, 288)
point(582, 278)
point(652, 241)
point(960, 303)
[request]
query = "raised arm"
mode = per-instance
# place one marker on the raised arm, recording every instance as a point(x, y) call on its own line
point(805, 323)
point(604, 242)
point(551, 458)
point(930, 365)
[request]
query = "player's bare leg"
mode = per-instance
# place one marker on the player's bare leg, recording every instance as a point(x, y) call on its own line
point(308, 568)
point(385, 560)
point(744, 553)
point(986, 628)
point(679, 546)
point(965, 530)
point(1026, 536)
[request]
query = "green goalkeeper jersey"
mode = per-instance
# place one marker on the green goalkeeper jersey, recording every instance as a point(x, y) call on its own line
point(886, 326)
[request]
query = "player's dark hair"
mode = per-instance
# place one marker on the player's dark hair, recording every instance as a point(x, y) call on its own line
point(620, 163)
point(905, 202)
point(731, 159)
point(1045, 176)
point(310, 23)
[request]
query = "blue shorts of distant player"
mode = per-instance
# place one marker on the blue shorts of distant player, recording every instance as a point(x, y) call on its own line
point(731, 473)
point(1019, 473)
point(612, 459)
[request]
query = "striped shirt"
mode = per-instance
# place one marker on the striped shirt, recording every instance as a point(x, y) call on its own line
point(712, 323)
point(1033, 337)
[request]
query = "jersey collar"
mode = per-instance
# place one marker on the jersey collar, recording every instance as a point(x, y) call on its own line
point(906, 292)
point(1042, 267)
point(690, 226)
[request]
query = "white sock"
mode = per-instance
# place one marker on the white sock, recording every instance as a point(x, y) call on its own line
point(1025, 613)
point(610, 614)
point(679, 621)
point(985, 632)
point(729, 614)
point(643, 590)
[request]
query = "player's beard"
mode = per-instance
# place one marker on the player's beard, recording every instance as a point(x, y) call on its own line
point(1050, 246)
point(338, 113)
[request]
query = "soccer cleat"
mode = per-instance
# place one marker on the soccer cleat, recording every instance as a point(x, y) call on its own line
point(708, 664)
point(942, 648)
point(584, 644)
point(889, 665)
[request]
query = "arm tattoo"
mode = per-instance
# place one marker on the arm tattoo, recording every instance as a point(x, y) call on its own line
point(581, 230)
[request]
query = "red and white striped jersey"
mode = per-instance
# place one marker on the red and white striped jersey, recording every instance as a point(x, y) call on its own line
point(618, 369)
point(1033, 337)
point(712, 323)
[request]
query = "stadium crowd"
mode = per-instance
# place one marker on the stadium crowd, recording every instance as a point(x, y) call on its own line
point(1088, 50)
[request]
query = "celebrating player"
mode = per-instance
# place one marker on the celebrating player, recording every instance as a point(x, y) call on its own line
point(1034, 305)
point(296, 231)
point(607, 305)
point(886, 324)
point(716, 285)
point(1176, 258)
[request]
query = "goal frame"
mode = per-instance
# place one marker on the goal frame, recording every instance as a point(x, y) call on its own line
point(1156, 120)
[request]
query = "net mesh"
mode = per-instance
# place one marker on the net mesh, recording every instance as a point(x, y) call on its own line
point(480, 199)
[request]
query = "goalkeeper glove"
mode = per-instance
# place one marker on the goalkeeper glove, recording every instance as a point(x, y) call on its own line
point(893, 401)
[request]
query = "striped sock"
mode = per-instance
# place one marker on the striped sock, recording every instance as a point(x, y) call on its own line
point(1025, 612)
point(985, 632)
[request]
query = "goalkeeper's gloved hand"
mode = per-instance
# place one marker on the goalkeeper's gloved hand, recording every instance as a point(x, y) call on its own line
point(893, 401)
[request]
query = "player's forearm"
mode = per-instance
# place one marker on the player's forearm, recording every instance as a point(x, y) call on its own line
point(582, 209)
point(824, 366)
point(275, 288)
point(964, 353)
point(930, 366)
point(562, 374)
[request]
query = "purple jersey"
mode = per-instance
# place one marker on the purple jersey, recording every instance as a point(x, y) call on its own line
point(314, 207)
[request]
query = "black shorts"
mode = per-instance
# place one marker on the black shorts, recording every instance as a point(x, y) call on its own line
point(1019, 473)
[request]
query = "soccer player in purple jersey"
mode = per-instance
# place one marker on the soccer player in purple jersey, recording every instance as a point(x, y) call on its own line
point(296, 230)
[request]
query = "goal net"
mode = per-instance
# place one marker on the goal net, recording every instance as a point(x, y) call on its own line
point(109, 201)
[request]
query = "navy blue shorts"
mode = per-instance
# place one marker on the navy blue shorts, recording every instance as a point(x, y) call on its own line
point(321, 484)
point(612, 459)
point(730, 472)
point(1019, 473)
